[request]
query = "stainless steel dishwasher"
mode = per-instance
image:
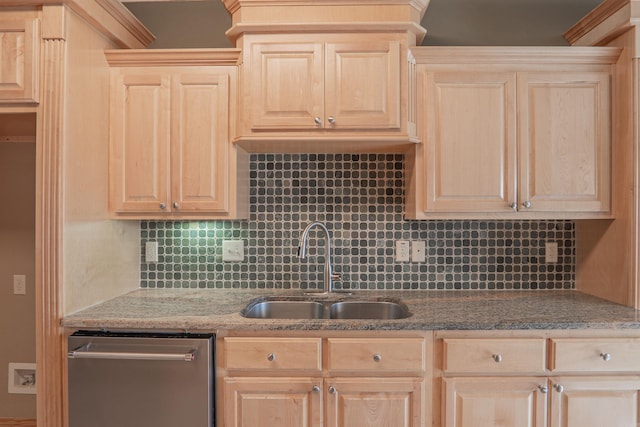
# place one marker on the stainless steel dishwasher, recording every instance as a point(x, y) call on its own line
point(141, 380)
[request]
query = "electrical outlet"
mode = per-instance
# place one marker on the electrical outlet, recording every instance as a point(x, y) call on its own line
point(402, 250)
point(19, 284)
point(417, 251)
point(233, 250)
point(551, 252)
point(151, 252)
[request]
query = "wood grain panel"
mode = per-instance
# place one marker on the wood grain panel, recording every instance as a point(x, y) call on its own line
point(200, 142)
point(19, 60)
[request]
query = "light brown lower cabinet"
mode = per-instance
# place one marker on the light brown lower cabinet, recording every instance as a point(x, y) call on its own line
point(312, 402)
point(540, 381)
point(538, 402)
point(271, 402)
point(324, 382)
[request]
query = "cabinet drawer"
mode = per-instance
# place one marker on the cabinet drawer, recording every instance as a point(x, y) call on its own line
point(273, 353)
point(376, 354)
point(508, 355)
point(599, 355)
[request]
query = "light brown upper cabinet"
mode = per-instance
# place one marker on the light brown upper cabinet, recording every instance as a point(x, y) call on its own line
point(171, 153)
point(506, 133)
point(324, 87)
point(19, 54)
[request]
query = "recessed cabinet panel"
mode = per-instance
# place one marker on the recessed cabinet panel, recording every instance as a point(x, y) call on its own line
point(363, 85)
point(200, 148)
point(595, 402)
point(374, 402)
point(19, 54)
point(140, 142)
point(470, 142)
point(273, 402)
point(286, 86)
point(564, 139)
point(490, 402)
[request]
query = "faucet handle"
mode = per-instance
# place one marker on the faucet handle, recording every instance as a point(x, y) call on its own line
point(336, 276)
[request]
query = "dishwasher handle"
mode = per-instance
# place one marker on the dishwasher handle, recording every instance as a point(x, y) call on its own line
point(84, 353)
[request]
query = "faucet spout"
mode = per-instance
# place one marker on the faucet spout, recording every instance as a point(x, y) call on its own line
point(329, 277)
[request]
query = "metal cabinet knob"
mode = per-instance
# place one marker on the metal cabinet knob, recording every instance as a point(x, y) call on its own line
point(559, 388)
point(526, 204)
point(176, 205)
point(605, 356)
point(316, 388)
point(514, 206)
point(163, 206)
point(332, 389)
point(271, 357)
point(377, 358)
point(497, 358)
point(543, 389)
point(332, 120)
point(318, 121)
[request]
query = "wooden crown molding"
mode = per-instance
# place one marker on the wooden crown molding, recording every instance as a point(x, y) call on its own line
point(604, 22)
point(261, 16)
point(171, 57)
point(515, 55)
point(110, 17)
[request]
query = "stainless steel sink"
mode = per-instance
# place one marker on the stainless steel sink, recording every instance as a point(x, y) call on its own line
point(285, 310)
point(368, 310)
point(311, 309)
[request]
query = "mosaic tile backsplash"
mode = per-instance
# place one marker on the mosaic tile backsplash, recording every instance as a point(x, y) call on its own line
point(360, 199)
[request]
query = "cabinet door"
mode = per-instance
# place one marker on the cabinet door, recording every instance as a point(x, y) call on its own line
point(490, 402)
point(564, 137)
point(470, 142)
point(139, 167)
point(272, 402)
point(362, 85)
point(19, 53)
point(200, 142)
point(374, 402)
point(595, 402)
point(286, 86)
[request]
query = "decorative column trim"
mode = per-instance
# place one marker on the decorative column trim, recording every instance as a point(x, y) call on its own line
point(49, 225)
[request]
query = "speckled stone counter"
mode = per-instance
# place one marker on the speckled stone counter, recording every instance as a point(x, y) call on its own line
point(211, 310)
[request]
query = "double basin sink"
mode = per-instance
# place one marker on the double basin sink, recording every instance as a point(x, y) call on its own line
point(294, 308)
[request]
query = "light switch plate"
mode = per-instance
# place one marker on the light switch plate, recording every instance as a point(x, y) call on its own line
point(551, 252)
point(233, 250)
point(417, 251)
point(19, 284)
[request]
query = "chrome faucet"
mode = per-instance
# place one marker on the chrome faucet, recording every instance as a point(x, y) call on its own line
point(329, 277)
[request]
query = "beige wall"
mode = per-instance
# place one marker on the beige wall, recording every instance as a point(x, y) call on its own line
point(101, 256)
point(17, 252)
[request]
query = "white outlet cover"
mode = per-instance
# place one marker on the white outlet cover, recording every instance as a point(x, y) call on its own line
point(402, 251)
point(233, 250)
point(151, 251)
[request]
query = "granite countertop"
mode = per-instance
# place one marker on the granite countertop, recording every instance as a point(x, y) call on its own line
point(219, 309)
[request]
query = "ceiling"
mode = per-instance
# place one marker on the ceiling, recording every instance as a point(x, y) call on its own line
point(202, 23)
